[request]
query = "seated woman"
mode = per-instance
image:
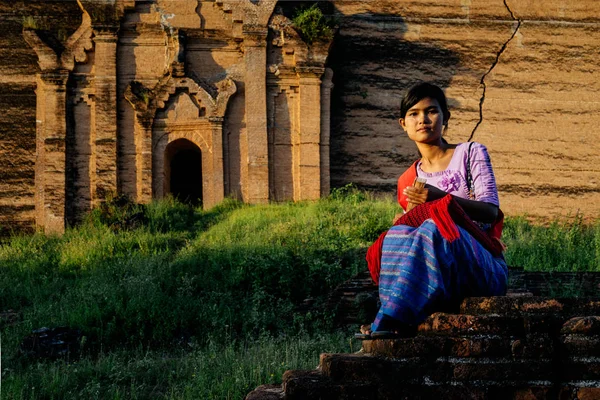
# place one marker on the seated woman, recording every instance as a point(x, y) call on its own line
point(424, 268)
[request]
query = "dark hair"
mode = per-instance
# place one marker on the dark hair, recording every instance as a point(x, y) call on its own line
point(421, 91)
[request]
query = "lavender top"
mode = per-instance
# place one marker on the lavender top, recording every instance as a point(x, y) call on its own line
point(453, 179)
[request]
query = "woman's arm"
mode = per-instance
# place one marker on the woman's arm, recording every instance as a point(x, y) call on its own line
point(485, 209)
point(477, 210)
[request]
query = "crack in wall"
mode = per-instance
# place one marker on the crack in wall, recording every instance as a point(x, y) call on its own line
point(482, 82)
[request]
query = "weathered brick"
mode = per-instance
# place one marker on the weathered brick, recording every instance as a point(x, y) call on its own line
point(522, 393)
point(533, 346)
point(567, 307)
point(357, 367)
point(308, 385)
point(428, 392)
point(542, 324)
point(494, 369)
point(488, 305)
point(580, 368)
point(469, 346)
point(588, 325)
point(266, 392)
point(588, 393)
point(511, 305)
point(419, 346)
point(580, 345)
point(459, 324)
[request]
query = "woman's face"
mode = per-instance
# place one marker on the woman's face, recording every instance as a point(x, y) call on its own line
point(424, 122)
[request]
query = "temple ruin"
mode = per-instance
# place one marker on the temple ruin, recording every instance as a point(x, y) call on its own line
point(118, 96)
point(226, 102)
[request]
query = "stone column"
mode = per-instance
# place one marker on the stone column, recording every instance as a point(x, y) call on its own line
point(50, 150)
point(143, 141)
point(308, 162)
point(217, 184)
point(255, 180)
point(105, 40)
point(326, 87)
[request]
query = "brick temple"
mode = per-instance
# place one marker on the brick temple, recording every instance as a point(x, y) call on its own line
point(120, 96)
point(149, 103)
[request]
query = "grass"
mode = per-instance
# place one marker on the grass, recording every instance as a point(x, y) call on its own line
point(176, 302)
point(562, 246)
point(215, 371)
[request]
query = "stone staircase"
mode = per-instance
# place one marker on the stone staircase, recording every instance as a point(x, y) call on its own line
point(514, 347)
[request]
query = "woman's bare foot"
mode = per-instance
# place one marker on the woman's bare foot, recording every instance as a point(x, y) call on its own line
point(366, 329)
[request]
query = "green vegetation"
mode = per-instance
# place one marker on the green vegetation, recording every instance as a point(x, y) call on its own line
point(214, 371)
point(559, 247)
point(30, 22)
point(141, 92)
point(176, 302)
point(312, 25)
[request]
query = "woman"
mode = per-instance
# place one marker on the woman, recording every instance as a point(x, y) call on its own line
point(445, 256)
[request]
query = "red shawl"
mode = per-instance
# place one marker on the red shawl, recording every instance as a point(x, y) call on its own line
point(446, 213)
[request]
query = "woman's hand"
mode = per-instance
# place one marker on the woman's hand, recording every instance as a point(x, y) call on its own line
point(415, 195)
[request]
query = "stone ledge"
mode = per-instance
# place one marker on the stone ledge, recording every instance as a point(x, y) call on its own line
point(383, 371)
point(461, 324)
point(266, 392)
point(315, 385)
point(530, 346)
point(530, 305)
point(580, 345)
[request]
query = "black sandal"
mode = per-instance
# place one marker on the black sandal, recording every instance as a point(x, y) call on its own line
point(362, 336)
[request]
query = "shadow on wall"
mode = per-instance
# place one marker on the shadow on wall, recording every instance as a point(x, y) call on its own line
point(54, 21)
point(373, 65)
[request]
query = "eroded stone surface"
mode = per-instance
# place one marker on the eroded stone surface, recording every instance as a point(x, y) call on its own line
point(266, 392)
point(136, 87)
point(461, 324)
point(537, 64)
point(589, 325)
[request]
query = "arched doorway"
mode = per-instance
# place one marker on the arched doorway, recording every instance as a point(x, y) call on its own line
point(183, 171)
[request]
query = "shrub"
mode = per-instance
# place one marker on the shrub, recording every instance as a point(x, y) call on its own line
point(119, 213)
point(312, 25)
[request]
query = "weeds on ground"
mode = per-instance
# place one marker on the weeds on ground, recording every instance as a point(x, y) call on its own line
point(182, 298)
point(216, 371)
point(560, 247)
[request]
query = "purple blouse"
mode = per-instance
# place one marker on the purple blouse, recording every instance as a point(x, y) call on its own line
point(453, 179)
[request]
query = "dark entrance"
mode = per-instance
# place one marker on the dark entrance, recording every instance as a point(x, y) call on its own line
point(184, 171)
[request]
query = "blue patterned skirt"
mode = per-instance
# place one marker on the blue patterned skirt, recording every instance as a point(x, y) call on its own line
point(421, 273)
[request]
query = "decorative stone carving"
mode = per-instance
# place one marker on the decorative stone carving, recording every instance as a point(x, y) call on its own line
point(205, 131)
point(51, 128)
point(296, 65)
point(139, 84)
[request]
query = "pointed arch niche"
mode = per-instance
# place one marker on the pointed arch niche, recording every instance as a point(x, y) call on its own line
point(189, 131)
point(183, 171)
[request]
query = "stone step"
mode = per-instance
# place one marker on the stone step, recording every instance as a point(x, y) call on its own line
point(307, 385)
point(444, 324)
point(461, 324)
point(500, 381)
point(529, 346)
point(461, 391)
point(419, 370)
point(266, 392)
point(578, 345)
point(490, 391)
point(583, 368)
point(510, 305)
